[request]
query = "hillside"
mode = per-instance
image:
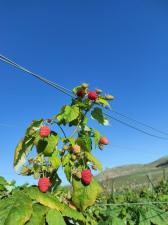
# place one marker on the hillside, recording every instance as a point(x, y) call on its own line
point(134, 174)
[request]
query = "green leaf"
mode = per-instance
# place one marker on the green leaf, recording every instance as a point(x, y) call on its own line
point(45, 199)
point(97, 114)
point(117, 221)
point(157, 216)
point(102, 101)
point(67, 171)
point(84, 196)
point(66, 159)
point(71, 213)
point(95, 161)
point(76, 89)
point(85, 142)
point(38, 217)
point(47, 145)
point(68, 113)
point(22, 150)
point(96, 137)
point(3, 181)
point(16, 209)
point(143, 220)
point(55, 161)
point(54, 217)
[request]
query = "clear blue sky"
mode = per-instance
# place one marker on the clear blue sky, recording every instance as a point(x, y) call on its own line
point(119, 46)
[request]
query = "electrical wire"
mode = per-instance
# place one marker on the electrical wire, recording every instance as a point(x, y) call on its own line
point(57, 86)
point(136, 121)
point(70, 93)
point(135, 128)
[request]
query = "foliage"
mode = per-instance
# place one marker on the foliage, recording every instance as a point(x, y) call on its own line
point(47, 145)
point(28, 206)
point(5, 187)
point(121, 210)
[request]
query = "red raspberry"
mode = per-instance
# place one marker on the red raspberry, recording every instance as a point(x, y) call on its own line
point(86, 176)
point(44, 184)
point(76, 149)
point(92, 95)
point(80, 93)
point(44, 131)
point(103, 141)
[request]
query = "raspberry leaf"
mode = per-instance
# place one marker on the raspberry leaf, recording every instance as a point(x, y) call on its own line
point(38, 214)
point(16, 209)
point(74, 214)
point(96, 137)
point(85, 196)
point(68, 113)
point(47, 145)
point(46, 199)
point(97, 114)
point(55, 161)
point(54, 217)
point(22, 150)
point(100, 100)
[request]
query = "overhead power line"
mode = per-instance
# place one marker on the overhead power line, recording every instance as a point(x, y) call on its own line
point(141, 123)
point(71, 94)
point(57, 86)
point(135, 128)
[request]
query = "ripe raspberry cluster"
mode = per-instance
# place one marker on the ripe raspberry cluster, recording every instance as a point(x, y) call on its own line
point(92, 95)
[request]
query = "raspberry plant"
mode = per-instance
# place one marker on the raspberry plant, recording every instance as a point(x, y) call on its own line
point(66, 140)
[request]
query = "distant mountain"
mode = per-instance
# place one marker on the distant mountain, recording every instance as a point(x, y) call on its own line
point(135, 174)
point(162, 162)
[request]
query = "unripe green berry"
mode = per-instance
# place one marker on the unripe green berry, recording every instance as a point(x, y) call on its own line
point(98, 91)
point(109, 97)
point(84, 85)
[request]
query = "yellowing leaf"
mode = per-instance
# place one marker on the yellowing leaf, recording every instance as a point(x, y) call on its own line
point(22, 150)
point(45, 199)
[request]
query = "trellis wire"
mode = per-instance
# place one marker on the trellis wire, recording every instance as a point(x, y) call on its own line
point(132, 203)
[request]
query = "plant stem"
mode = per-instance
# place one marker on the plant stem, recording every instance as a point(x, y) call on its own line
point(76, 129)
point(62, 130)
point(80, 121)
